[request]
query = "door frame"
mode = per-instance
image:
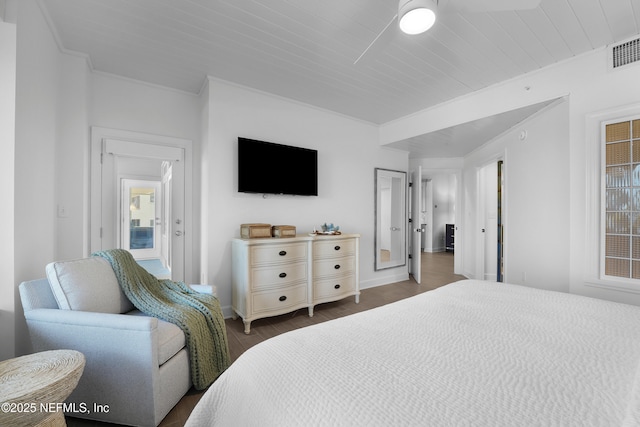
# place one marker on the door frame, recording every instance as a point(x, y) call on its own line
point(98, 136)
point(482, 220)
point(415, 236)
point(427, 209)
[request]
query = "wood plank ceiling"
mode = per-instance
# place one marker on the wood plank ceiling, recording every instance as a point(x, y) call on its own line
point(305, 49)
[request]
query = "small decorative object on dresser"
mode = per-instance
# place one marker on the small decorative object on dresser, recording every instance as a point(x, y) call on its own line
point(276, 276)
point(255, 231)
point(283, 231)
point(329, 229)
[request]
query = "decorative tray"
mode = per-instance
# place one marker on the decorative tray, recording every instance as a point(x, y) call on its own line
point(325, 233)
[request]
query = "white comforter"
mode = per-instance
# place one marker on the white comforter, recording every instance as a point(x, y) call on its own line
point(471, 353)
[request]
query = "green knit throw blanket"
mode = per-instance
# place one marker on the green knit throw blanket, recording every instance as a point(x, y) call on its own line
point(198, 315)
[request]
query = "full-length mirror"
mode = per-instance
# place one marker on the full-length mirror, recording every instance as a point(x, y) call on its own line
point(391, 218)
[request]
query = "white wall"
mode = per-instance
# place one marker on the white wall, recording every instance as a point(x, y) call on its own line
point(37, 102)
point(348, 152)
point(537, 211)
point(71, 161)
point(7, 214)
point(536, 208)
point(591, 89)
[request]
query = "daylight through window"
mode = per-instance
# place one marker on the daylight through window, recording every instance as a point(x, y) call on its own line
point(622, 210)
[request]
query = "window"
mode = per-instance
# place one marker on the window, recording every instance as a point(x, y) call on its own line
point(622, 198)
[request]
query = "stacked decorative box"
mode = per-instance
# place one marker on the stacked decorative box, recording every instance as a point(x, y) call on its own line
point(283, 231)
point(255, 231)
point(261, 231)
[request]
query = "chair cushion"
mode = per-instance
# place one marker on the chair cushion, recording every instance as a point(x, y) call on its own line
point(87, 284)
point(171, 339)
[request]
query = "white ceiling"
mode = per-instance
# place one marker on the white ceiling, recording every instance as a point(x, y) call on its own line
point(305, 49)
point(460, 140)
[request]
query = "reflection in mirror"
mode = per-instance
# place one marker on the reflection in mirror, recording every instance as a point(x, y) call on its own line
point(391, 218)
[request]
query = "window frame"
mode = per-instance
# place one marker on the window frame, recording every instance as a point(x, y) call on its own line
point(595, 199)
point(603, 199)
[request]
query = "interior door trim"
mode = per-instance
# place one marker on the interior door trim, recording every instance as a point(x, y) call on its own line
point(99, 135)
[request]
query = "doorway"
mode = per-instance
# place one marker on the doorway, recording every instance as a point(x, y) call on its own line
point(442, 197)
point(146, 172)
point(490, 243)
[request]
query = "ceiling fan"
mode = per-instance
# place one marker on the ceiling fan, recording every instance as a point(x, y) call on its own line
point(417, 16)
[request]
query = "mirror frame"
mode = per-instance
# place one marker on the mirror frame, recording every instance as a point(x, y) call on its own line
point(394, 263)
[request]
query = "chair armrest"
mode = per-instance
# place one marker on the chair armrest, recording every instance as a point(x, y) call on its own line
point(121, 352)
point(91, 319)
point(95, 333)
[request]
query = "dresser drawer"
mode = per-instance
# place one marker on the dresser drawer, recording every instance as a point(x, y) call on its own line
point(330, 288)
point(278, 275)
point(275, 276)
point(288, 252)
point(333, 248)
point(334, 267)
point(279, 300)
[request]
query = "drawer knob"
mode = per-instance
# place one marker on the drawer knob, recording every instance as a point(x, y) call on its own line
point(282, 253)
point(283, 298)
point(337, 286)
point(337, 248)
point(337, 266)
point(283, 275)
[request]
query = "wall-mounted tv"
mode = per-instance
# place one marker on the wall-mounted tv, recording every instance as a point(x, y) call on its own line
point(269, 168)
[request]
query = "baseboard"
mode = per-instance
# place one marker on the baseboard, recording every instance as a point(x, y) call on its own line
point(384, 280)
point(434, 250)
point(227, 312)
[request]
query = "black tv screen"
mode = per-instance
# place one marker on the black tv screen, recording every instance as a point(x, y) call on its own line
point(269, 168)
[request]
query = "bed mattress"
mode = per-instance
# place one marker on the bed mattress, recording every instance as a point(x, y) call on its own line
point(472, 353)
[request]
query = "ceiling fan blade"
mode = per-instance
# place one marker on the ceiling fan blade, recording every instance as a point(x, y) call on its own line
point(493, 5)
point(380, 42)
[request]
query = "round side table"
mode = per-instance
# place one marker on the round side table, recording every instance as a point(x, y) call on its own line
point(34, 387)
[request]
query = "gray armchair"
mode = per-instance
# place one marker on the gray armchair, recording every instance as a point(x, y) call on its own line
point(137, 367)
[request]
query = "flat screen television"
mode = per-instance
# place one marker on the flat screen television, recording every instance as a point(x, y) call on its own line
point(269, 168)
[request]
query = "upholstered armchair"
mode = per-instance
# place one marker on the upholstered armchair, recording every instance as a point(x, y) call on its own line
point(137, 367)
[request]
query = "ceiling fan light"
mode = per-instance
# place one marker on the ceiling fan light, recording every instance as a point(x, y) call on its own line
point(416, 16)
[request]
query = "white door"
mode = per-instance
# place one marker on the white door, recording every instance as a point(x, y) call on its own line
point(141, 217)
point(165, 229)
point(487, 255)
point(416, 227)
point(168, 231)
point(173, 226)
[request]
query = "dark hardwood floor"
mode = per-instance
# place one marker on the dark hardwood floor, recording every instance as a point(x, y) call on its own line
point(437, 270)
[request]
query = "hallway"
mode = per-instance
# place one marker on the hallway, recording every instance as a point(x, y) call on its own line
point(437, 270)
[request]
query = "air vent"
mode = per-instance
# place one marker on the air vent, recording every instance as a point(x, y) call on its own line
point(625, 53)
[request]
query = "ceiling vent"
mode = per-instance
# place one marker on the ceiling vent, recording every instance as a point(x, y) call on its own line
point(625, 53)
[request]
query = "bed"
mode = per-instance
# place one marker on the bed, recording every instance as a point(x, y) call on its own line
point(471, 353)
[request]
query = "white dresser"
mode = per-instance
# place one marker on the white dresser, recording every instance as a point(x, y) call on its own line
point(279, 275)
